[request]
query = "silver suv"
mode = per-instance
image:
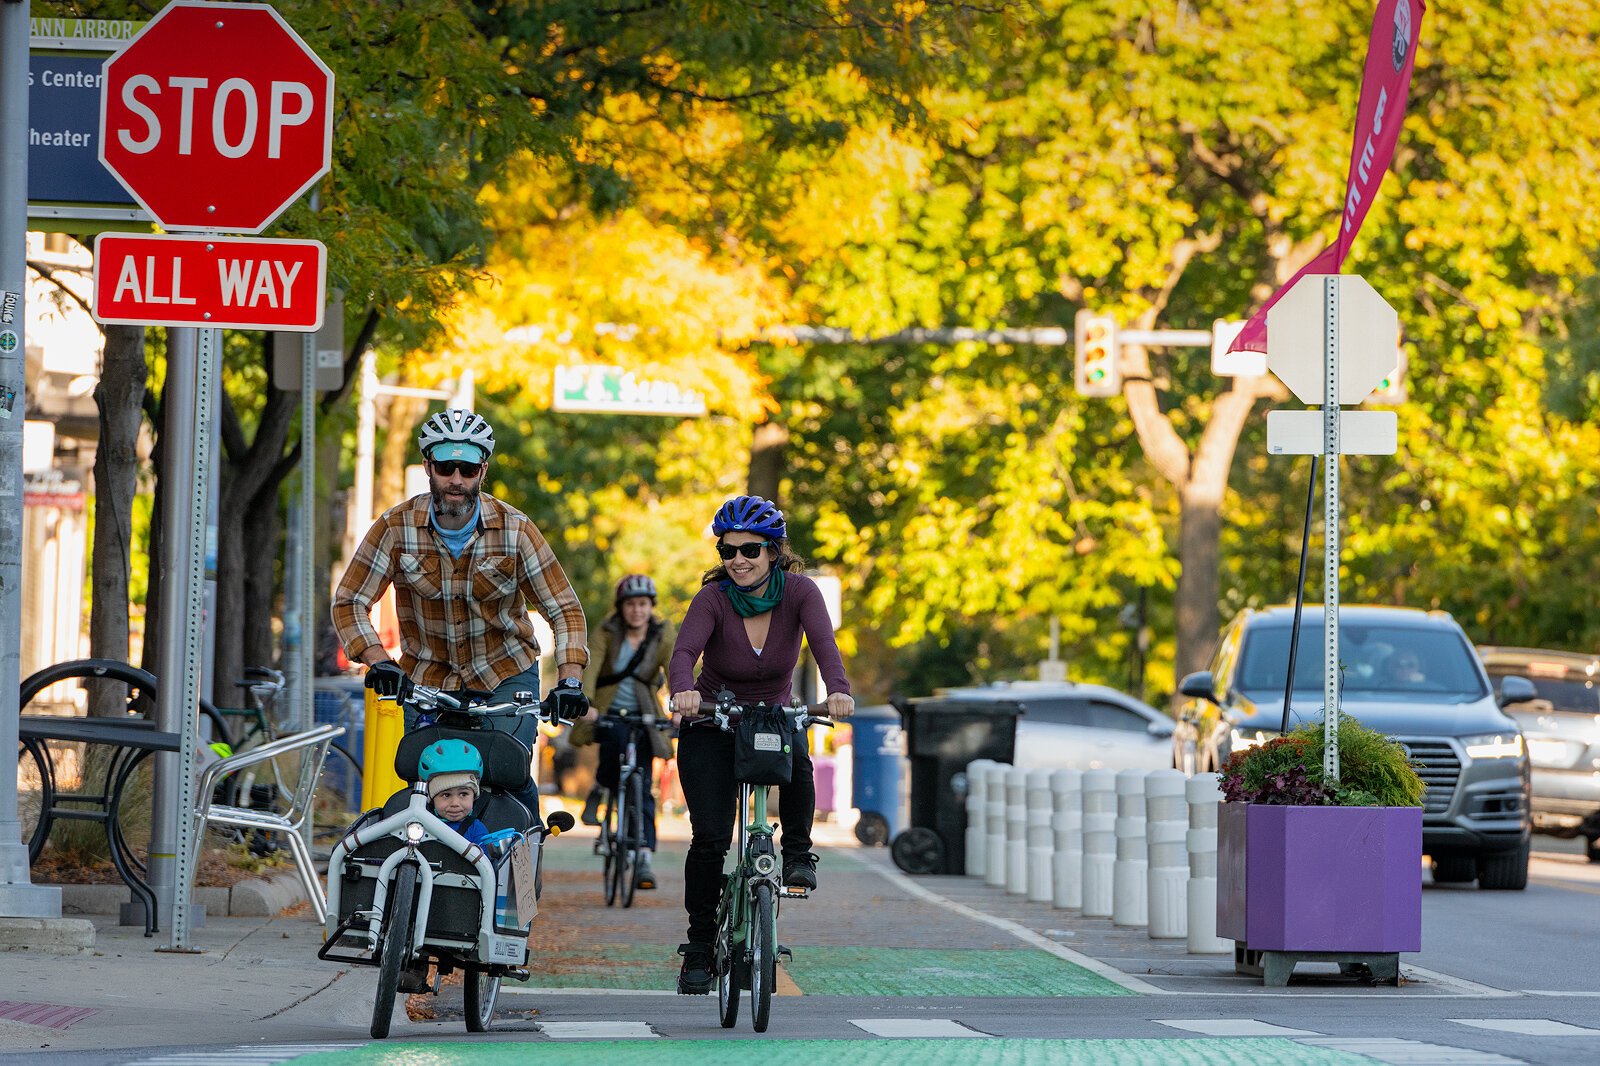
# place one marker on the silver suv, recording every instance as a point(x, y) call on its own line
point(1410, 674)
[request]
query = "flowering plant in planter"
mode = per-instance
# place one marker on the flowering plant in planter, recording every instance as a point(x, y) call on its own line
point(1374, 771)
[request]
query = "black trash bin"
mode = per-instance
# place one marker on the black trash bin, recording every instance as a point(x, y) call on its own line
point(943, 734)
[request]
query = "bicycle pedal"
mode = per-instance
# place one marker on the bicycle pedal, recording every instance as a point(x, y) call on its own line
point(796, 892)
point(785, 953)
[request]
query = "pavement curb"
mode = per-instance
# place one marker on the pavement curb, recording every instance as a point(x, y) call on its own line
point(52, 936)
point(253, 898)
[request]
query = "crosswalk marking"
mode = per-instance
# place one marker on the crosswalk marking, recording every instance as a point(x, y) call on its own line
point(1233, 1027)
point(1528, 1026)
point(1399, 1052)
point(915, 1027)
point(249, 1054)
point(598, 1030)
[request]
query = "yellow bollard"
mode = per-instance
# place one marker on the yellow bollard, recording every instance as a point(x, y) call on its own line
point(386, 724)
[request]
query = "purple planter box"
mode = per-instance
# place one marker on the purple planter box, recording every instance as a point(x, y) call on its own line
point(1320, 878)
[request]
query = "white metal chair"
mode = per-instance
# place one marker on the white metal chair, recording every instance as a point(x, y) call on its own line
point(312, 747)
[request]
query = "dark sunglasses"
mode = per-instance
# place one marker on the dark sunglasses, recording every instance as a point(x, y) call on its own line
point(450, 467)
point(749, 551)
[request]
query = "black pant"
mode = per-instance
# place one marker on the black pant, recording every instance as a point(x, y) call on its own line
point(705, 770)
point(612, 737)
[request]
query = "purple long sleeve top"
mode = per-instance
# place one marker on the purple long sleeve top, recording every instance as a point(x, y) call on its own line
point(713, 628)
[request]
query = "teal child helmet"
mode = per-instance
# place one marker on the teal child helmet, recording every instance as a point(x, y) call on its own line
point(449, 764)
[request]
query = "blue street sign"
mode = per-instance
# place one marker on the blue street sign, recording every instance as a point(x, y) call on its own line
point(63, 131)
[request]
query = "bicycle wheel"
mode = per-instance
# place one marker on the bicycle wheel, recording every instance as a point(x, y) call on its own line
point(610, 847)
point(478, 993)
point(726, 957)
point(632, 826)
point(395, 951)
point(763, 956)
point(35, 795)
point(338, 798)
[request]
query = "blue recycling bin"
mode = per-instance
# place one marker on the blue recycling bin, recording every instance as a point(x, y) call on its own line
point(877, 768)
point(335, 702)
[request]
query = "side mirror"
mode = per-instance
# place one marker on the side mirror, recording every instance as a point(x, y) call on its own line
point(1516, 689)
point(1200, 686)
point(559, 822)
point(1160, 729)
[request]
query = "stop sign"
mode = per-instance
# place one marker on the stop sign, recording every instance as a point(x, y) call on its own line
point(216, 116)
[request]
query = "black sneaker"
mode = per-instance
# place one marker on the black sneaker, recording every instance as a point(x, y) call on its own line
point(696, 978)
point(800, 871)
point(591, 808)
point(643, 876)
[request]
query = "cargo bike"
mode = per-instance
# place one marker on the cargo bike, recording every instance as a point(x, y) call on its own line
point(405, 891)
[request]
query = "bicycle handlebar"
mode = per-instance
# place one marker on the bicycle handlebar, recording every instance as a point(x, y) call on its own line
point(725, 714)
point(470, 702)
point(653, 722)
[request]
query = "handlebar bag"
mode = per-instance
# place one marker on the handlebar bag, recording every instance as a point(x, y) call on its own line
point(763, 747)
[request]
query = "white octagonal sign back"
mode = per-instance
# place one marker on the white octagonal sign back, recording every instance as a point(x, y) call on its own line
point(1368, 331)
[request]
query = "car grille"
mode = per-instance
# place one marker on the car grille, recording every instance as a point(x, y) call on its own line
point(1439, 767)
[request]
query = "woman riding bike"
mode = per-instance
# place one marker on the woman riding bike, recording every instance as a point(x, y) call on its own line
point(746, 621)
point(623, 676)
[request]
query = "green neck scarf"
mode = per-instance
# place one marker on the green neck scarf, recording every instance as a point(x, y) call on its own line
point(747, 604)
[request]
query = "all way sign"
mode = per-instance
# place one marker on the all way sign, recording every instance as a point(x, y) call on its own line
point(214, 282)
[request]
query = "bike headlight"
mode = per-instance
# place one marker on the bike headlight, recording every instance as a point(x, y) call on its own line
point(765, 864)
point(1494, 746)
point(1245, 739)
point(415, 832)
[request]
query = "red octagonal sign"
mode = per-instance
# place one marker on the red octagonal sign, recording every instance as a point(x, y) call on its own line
point(216, 116)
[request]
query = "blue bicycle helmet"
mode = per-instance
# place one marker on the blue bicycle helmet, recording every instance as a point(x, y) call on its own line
point(449, 764)
point(750, 514)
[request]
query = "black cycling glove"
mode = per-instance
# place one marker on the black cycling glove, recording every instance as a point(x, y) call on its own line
point(388, 680)
point(568, 702)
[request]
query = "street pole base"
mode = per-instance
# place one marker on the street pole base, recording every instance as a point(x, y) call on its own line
point(132, 913)
point(24, 900)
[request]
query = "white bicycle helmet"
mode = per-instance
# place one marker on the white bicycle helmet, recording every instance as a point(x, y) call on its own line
point(456, 434)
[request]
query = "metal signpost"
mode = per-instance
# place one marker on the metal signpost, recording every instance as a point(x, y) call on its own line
point(215, 117)
point(1330, 339)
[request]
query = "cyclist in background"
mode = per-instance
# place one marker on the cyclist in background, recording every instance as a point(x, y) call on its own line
point(465, 567)
point(624, 676)
point(746, 622)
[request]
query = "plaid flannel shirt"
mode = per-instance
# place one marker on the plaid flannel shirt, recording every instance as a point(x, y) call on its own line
point(464, 622)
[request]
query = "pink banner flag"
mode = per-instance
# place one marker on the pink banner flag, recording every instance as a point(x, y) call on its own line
point(1391, 52)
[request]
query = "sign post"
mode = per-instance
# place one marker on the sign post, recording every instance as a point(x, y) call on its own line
point(1330, 339)
point(215, 117)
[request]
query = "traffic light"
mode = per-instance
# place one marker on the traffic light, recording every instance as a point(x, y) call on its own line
point(1097, 370)
point(1391, 391)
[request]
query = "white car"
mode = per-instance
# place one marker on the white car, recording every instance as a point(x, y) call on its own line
point(1068, 726)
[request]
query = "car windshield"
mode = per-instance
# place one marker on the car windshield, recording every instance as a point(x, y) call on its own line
point(1422, 663)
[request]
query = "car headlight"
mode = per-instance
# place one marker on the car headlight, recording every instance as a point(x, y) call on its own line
point(1245, 739)
point(1494, 746)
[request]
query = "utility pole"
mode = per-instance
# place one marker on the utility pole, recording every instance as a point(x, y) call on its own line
point(19, 898)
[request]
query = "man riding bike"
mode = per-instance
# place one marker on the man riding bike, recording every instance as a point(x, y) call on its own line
point(747, 621)
point(465, 568)
point(624, 676)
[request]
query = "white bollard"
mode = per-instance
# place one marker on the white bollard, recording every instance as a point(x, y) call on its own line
point(1017, 831)
point(977, 814)
point(1203, 795)
point(1066, 793)
point(1099, 841)
point(1041, 844)
point(994, 842)
point(1129, 885)
point(1166, 823)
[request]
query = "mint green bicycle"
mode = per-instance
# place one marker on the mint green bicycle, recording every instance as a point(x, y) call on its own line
point(746, 951)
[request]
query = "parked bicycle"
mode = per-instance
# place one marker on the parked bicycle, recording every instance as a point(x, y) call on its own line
point(745, 955)
point(338, 797)
point(623, 832)
point(406, 891)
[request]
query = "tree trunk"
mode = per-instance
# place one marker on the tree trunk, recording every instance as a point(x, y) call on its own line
point(389, 484)
point(120, 399)
point(1199, 554)
point(767, 445)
